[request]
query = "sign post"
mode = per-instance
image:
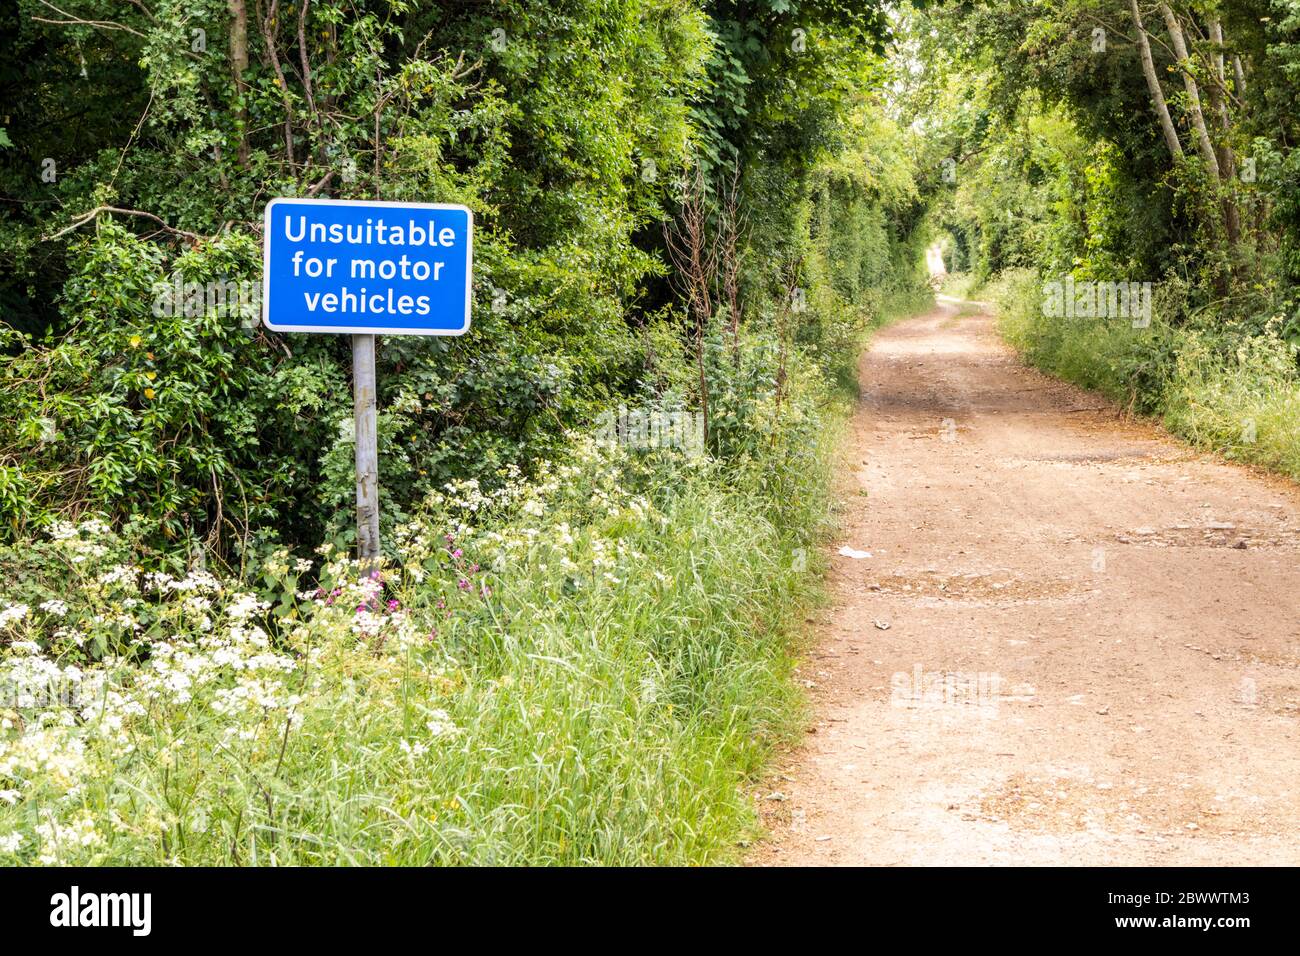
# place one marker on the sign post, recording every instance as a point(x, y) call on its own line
point(364, 269)
point(367, 441)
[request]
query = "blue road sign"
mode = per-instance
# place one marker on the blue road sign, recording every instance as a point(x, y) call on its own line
point(377, 268)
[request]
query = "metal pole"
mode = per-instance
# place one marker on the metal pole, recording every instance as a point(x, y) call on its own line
point(363, 392)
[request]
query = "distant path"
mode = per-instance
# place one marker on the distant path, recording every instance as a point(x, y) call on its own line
point(1137, 603)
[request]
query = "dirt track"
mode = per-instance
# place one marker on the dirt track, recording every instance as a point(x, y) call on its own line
point(1107, 627)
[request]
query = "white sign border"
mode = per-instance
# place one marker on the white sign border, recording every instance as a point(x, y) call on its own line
point(364, 330)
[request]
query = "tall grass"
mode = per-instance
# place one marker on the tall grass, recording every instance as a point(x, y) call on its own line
point(586, 668)
point(1217, 387)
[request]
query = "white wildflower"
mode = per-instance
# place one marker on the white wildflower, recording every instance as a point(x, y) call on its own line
point(413, 750)
point(12, 613)
point(440, 724)
point(245, 606)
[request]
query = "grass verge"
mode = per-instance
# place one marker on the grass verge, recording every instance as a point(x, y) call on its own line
point(587, 667)
point(1216, 386)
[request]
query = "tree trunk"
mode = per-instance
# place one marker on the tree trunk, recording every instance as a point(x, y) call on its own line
point(1203, 143)
point(1153, 84)
point(238, 64)
point(1218, 98)
point(1227, 158)
point(269, 26)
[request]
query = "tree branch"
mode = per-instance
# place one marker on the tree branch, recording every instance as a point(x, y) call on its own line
point(89, 216)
